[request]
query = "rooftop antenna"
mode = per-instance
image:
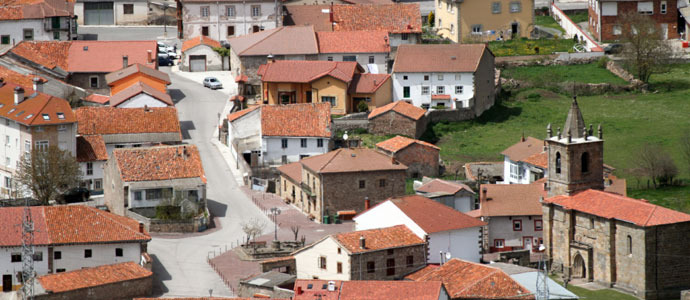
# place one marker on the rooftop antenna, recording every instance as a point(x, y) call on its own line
point(542, 287)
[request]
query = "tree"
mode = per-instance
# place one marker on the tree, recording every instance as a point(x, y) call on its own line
point(657, 164)
point(48, 173)
point(253, 228)
point(685, 147)
point(645, 51)
point(295, 231)
point(431, 19)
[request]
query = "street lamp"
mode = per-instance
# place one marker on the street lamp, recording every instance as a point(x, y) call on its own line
point(165, 19)
point(275, 212)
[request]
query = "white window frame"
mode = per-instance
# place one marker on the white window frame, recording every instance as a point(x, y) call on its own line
point(477, 29)
point(515, 7)
point(440, 89)
point(663, 7)
point(499, 243)
point(89, 168)
point(645, 8)
point(42, 145)
point(459, 89)
point(230, 11)
point(256, 11)
point(495, 7)
point(205, 11)
point(335, 100)
point(617, 30)
point(425, 90)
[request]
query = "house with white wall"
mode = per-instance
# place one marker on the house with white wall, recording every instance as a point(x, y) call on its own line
point(270, 135)
point(224, 19)
point(452, 194)
point(445, 76)
point(115, 12)
point(371, 49)
point(198, 55)
point(91, 155)
point(525, 161)
point(43, 20)
point(448, 231)
point(66, 239)
point(140, 95)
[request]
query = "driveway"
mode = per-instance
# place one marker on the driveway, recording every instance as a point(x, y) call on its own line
point(180, 267)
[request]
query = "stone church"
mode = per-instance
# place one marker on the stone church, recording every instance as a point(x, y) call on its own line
point(614, 240)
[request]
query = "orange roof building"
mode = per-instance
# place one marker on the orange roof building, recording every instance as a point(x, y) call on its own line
point(421, 158)
point(198, 55)
point(135, 73)
point(368, 290)
point(399, 117)
point(94, 282)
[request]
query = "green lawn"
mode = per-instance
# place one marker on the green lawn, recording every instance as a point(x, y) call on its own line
point(588, 73)
point(547, 21)
point(674, 197)
point(579, 17)
point(605, 294)
point(524, 46)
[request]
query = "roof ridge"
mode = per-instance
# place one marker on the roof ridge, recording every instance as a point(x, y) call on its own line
point(261, 40)
point(98, 212)
point(480, 279)
point(330, 159)
point(651, 213)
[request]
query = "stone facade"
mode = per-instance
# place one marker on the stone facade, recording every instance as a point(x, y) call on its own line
point(359, 263)
point(420, 160)
point(83, 80)
point(392, 122)
point(341, 191)
point(123, 290)
point(603, 20)
point(572, 177)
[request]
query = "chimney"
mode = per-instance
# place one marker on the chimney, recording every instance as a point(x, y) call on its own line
point(125, 61)
point(299, 290)
point(149, 56)
point(375, 83)
point(18, 95)
point(141, 227)
point(367, 203)
point(362, 242)
point(522, 138)
point(331, 286)
point(184, 152)
point(271, 58)
point(601, 133)
point(38, 84)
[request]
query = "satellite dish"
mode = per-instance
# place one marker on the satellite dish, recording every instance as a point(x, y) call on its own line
point(542, 248)
point(345, 136)
point(448, 255)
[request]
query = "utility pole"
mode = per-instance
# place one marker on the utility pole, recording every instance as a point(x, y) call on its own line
point(542, 287)
point(28, 252)
point(275, 212)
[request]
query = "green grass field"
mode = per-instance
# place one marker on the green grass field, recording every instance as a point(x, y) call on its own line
point(547, 21)
point(578, 17)
point(587, 73)
point(605, 294)
point(524, 46)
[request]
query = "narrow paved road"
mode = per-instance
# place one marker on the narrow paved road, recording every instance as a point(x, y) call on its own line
point(180, 264)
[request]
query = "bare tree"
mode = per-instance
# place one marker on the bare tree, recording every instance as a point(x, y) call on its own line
point(48, 173)
point(685, 147)
point(295, 231)
point(253, 228)
point(657, 164)
point(668, 169)
point(645, 51)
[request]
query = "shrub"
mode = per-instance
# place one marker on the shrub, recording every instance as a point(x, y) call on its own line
point(533, 96)
point(362, 106)
point(602, 62)
point(431, 18)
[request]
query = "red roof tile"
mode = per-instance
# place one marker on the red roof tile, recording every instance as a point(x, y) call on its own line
point(399, 142)
point(37, 108)
point(159, 163)
point(25, 81)
point(433, 216)
point(539, 159)
point(439, 58)
point(292, 171)
point(317, 16)
point(524, 149)
point(353, 42)
point(367, 83)
point(401, 107)
point(511, 199)
point(35, 9)
point(200, 40)
point(307, 71)
point(96, 98)
point(298, 120)
point(351, 160)
point(91, 148)
point(92, 277)
point(50, 54)
point(376, 290)
point(139, 88)
point(428, 269)
point(118, 75)
point(394, 18)
point(113, 120)
point(288, 40)
point(241, 78)
point(440, 97)
point(240, 113)
point(378, 239)
point(11, 228)
point(464, 279)
point(444, 186)
point(614, 206)
point(106, 56)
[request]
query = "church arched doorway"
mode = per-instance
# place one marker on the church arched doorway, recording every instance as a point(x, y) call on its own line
point(579, 267)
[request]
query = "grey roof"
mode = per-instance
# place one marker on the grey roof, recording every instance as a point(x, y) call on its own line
point(574, 124)
point(511, 269)
point(270, 279)
point(529, 281)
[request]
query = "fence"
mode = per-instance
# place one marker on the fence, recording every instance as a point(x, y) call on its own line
point(571, 29)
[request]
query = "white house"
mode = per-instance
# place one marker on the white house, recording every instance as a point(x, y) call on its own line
point(221, 20)
point(92, 155)
point(445, 76)
point(453, 194)
point(525, 161)
point(198, 55)
point(125, 12)
point(43, 20)
point(280, 134)
point(448, 231)
point(66, 239)
point(371, 49)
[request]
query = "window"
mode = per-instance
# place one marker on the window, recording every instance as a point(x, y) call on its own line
point(62, 127)
point(405, 77)
point(16, 257)
point(458, 89)
point(439, 77)
point(89, 168)
point(138, 195)
point(27, 146)
point(339, 251)
point(128, 9)
point(371, 266)
point(8, 161)
point(205, 11)
point(440, 89)
point(498, 243)
point(390, 251)
point(28, 34)
point(231, 30)
point(452, 28)
point(87, 253)
point(7, 140)
point(319, 143)
point(630, 245)
point(645, 8)
point(350, 58)
point(515, 7)
point(477, 29)
point(97, 184)
point(118, 252)
point(404, 36)
point(322, 262)
point(440, 23)
point(340, 268)
point(517, 225)
point(230, 10)
point(5, 39)
point(93, 81)
point(204, 30)
point(329, 99)
point(496, 7)
point(330, 58)
point(8, 182)
point(256, 10)
point(42, 145)
point(303, 143)
point(59, 270)
point(409, 260)
point(558, 163)
point(362, 184)
point(390, 267)
point(283, 143)
point(617, 30)
point(56, 35)
point(57, 255)
point(38, 256)
point(538, 225)
point(514, 171)
point(406, 92)
point(609, 9)
point(426, 77)
point(662, 7)
point(371, 59)
point(382, 183)
point(425, 90)
point(584, 162)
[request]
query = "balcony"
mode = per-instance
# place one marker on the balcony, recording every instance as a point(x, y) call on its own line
point(307, 190)
point(56, 24)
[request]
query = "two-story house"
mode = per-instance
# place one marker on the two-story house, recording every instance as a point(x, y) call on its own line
point(375, 254)
point(113, 12)
point(371, 49)
point(278, 134)
point(606, 23)
point(221, 20)
point(481, 21)
point(43, 20)
point(138, 86)
point(453, 194)
point(421, 158)
point(445, 76)
point(91, 155)
point(525, 161)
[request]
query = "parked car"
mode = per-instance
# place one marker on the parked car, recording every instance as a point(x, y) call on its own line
point(613, 49)
point(165, 60)
point(170, 50)
point(212, 83)
point(76, 195)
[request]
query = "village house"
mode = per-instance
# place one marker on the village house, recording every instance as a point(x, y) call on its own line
point(130, 127)
point(137, 73)
point(375, 254)
point(91, 156)
point(306, 289)
point(606, 24)
point(31, 120)
point(94, 100)
point(338, 182)
point(398, 117)
point(65, 239)
point(198, 55)
point(275, 135)
point(525, 161)
point(43, 20)
point(221, 20)
point(83, 63)
point(483, 21)
point(371, 49)
point(116, 12)
point(445, 76)
point(421, 158)
point(140, 178)
point(140, 95)
point(452, 194)
point(448, 231)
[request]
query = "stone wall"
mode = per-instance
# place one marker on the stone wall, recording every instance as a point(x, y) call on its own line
point(342, 192)
point(393, 123)
point(420, 160)
point(359, 262)
point(196, 224)
point(450, 115)
point(668, 270)
point(123, 290)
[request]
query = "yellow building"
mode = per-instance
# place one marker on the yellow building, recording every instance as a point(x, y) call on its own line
point(480, 21)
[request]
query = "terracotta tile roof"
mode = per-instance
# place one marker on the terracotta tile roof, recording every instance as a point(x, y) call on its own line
point(305, 71)
point(60, 225)
point(113, 77)
point(200, 40)
point(35, 9)
point(399, 142)
point(298, 120)
point(241, 78)
point(317, 16)
point(439, 58)
point(378, 239)
point(159, 163)
point(113, 120)
point(96, 98)
point(277, 259)
point(288, 40)
point(353, 42)
point(433, 216)
point(394, 18)
point(314, 289)
point(511, 199)
point(464, 279)
point(92, 277)
point(444, 186)
point(367, 83)
point(614, 206)
point(539, 159)
point(106, 56)
point(25, 81)
point(240, 113)
point(400, 290)
point(351, 160)
point(50, 54)
point(440, 97)
point(292, 171)
point(91, 148)
point(524, 149)
point(37, 108)
point(212, 298)
point(139, 88)
point(401, 107)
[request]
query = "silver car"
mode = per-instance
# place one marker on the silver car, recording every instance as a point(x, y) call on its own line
point(212, 83)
